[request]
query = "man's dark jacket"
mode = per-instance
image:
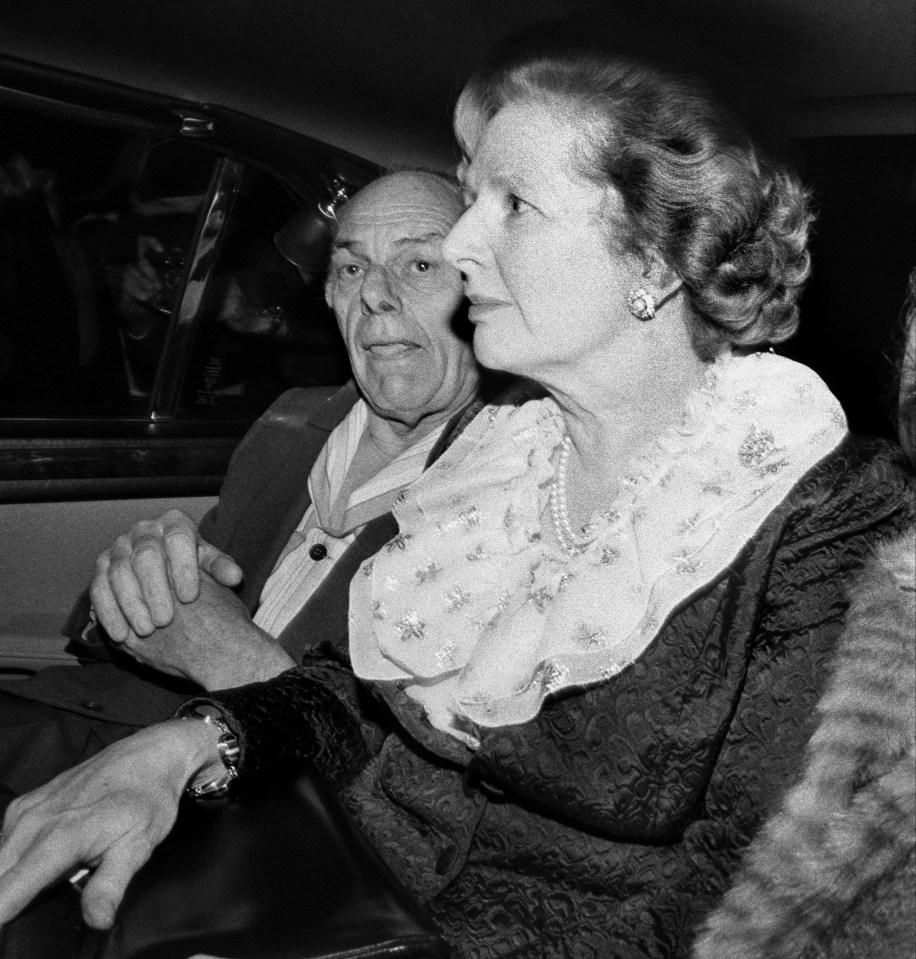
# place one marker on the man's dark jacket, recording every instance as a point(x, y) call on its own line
point(263, 498)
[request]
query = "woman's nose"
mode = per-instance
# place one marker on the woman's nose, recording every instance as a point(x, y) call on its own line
point(377, 293)
point(461, 246)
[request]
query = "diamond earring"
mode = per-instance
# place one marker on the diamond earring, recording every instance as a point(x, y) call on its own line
point(641, 304)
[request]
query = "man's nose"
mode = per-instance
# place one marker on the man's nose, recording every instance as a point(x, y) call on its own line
point(377, 293)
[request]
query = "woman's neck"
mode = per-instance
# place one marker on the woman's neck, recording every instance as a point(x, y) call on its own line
point(611, 421)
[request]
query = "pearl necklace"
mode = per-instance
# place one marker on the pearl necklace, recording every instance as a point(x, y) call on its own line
point(558, 506)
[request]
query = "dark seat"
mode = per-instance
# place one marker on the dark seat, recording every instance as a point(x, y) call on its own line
point(277, 872)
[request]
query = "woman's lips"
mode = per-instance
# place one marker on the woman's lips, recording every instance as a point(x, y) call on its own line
point(479, 308)
point(481, 304)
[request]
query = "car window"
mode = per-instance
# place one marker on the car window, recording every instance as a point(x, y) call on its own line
point(46, 330)
point(264, 326)
point(135, 254)
point(97, 231)
point(83, 210)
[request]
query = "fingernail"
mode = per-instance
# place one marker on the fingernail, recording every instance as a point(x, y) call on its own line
point(79, 879)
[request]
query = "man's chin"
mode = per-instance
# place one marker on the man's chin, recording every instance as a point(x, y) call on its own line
point(396, 396)
point(410, 416)
point(412, 395)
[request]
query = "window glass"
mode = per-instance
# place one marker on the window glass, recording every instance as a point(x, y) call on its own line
point(90, 220)
point(48, 334)
point(137, 252)
point(265, 326)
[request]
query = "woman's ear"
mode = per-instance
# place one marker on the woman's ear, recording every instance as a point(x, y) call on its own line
point(663, 280)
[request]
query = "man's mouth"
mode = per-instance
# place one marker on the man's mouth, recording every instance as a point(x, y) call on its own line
point(391, 349)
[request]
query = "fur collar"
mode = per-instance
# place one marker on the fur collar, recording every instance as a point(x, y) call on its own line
point(808, 885)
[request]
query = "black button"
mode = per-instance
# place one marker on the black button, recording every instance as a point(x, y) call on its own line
point(446, 859)
point(93, 705)
point(318, 551)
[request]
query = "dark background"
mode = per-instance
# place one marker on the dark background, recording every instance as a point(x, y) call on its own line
point(863, 248)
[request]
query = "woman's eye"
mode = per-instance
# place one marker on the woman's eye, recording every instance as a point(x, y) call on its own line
point(422, 266)
point(516, 203)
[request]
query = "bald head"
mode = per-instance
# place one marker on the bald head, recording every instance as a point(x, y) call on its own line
point(399, 303)
point(410, 196)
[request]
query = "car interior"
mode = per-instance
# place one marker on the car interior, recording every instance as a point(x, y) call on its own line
point(100, 409)
point(161, 282)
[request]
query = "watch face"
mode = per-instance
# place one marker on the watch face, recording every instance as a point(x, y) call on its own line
point(207, 711)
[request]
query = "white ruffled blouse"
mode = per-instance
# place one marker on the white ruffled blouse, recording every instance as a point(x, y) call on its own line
point(483, 617)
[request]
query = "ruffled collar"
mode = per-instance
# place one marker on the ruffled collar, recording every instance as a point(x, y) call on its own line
point(484, 617)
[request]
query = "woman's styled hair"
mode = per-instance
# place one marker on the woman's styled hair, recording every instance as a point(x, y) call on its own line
point(695, 192)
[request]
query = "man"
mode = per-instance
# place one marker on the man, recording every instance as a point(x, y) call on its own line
point(307, 498)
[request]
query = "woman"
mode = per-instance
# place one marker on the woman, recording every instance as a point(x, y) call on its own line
point(594, 647)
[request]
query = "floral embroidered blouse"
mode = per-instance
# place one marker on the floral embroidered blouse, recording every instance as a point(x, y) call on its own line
point(482, 617)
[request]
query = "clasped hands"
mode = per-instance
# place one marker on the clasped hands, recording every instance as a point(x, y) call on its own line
point(164, 595)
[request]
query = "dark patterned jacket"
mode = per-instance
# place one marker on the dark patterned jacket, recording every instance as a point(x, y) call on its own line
point(609, 825)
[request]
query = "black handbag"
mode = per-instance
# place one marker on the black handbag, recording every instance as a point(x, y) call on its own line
point(279, 871)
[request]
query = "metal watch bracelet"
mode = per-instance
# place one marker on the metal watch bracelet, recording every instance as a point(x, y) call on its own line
point(229, 753)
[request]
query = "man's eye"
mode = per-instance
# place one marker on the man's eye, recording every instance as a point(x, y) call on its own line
point(516, 203)
point(348, 270)
point(422, 266)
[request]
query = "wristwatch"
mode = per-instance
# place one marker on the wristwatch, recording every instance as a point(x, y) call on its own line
point(229, 753)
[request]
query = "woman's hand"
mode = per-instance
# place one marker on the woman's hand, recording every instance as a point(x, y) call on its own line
point(108, 813)
point(132, 590)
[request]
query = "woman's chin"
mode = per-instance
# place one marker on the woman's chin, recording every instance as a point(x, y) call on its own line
point(491, 351)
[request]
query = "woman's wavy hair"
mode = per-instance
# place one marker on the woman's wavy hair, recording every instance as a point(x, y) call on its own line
point(695, 191)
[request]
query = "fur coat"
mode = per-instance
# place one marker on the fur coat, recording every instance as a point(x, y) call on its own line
point(833, 873)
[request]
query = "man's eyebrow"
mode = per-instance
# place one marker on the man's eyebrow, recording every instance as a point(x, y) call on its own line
point(435, 235)
point(349, 245)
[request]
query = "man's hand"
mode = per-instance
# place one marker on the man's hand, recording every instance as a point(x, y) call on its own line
point(149, 286)
point(141, 289)
point(108, 813)
point(19, 181)
point(212, 641)
point(139, 575)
